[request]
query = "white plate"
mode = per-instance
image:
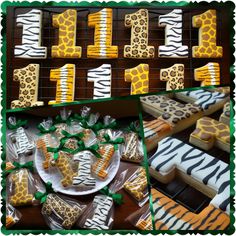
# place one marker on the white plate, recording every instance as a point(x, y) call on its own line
point(54, 176)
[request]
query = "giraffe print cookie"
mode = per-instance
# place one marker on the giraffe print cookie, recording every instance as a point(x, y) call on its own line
point(20, 183)
point(66, 211)
point(207, 36)
point(28, 77)
point(139, 78)
point(208, 74)
point(225, 116)
point(99, 168)
point(136, 185)
point(170, 215)
point(209, 133)
point(139, 48)
point(174, 77)
point(99, 221)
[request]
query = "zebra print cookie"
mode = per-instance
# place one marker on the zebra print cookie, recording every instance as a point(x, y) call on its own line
point(225, 116)
point(99, 221)
point(65, 79)
point(84, 178)
point(101, 77)
point(21, 143)
point(208, 74)
point(173, 35)
point(174, 77)
point(170, 215)
point(209, 101)
point(102, 48)
point(31, 36)
point(206, 173)
point(209, 133)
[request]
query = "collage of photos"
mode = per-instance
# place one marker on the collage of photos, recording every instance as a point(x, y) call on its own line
point(117, 118)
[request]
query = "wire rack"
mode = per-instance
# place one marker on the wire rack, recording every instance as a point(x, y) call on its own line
point(121, 37)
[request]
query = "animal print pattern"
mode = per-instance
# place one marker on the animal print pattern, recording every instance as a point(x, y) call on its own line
point(66, 48)
point(21, 143)
point(101, 77)
point(31, 36)
point(205, 99)
point(131, 148)
point(225, 116)
point(99, 168)
point(84, 177)
point(103, 206)
point(208, 74)
point(63, 163)
point(225, 90)
point(201, 167)
point(55, 205)
point(20, 181)
point(145, 224)
point(207, 36)
point(173, 35)
point(174, 76)
point(65, 79)
point(209, 131)
point(137, 184)
point(172, 111)
point(170, 215)
point(102, 48)
point(139, 78)
point(43, 143)
point(28, 77)
point(139, 48)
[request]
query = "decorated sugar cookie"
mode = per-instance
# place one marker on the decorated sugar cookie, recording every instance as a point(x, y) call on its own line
point(174, 77)
point(173, 35)
point(208, 74)
point(225, 116)
point(139, 78)
point(66, 22)
point(210, 132)
point(101, 77)
point(65, 80)
point(31, 48)
point(28, 78)
point(170, 215)
point(206, 22)
point(204, 172)
point(102, 48)
point(138, 47)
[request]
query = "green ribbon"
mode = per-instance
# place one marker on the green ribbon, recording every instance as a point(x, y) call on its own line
point(133, 128)
point(46, 131)
point(18, 124)
point(59, 120)
point(80, 118)
point(43, 196)
point(95, 128)
point(67, 135)
point(117, 198)
point(28, 165)
point(114, 142)
point(112, 125)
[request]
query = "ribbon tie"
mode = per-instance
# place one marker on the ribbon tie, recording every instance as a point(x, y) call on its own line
point(133, 128)
point(18, 124)
point(114, 142)
point(117, 198)
point(43, 196)
point(28, 165)
point(46, 131)
point(59, 120)
point(112, 125)
point(67, 135)
point(95, 128)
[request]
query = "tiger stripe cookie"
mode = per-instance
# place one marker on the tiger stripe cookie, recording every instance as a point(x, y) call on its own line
point(200, 170)
point(174, 77)
point(208, 74)
point(209, 133)
point(170, 215)
point(31, 23)
point(225, 116)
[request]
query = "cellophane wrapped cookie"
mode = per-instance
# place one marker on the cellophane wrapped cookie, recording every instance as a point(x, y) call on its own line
point(12, 215)
point(61, 212)
point(20, 142)
point(22, 185)
point(141, 218)
point(46, 138)
point(136, 185)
